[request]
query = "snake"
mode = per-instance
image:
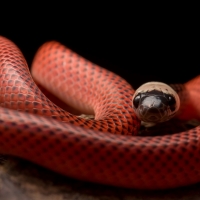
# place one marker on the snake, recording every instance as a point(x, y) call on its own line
point(105, 150)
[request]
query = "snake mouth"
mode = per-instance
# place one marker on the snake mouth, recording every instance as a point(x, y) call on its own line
point(154, 115)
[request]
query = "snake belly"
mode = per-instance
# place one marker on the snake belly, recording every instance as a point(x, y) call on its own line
point(105, 150)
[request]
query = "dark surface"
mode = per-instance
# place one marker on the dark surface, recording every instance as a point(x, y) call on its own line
point(20, 180)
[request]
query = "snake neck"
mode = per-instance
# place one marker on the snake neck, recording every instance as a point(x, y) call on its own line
point(189, 94)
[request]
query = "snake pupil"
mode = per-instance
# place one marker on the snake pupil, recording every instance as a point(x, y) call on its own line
point(136, 101)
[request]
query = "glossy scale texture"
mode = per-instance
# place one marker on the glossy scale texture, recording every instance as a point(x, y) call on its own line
point(104, 150)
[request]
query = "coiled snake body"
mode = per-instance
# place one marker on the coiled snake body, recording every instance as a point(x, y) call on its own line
point(34, 128)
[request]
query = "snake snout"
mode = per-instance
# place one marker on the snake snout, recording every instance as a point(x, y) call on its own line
point(153, 109)
point(152, 114)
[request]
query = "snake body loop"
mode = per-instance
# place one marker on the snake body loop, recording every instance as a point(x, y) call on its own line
point(34, 128)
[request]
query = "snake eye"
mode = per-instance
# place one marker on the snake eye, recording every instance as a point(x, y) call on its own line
point(136, 100)
point(171, 102)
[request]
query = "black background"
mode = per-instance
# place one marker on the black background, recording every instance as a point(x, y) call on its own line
point(140, 46)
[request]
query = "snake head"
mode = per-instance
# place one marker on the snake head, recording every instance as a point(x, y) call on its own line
point(155, 102)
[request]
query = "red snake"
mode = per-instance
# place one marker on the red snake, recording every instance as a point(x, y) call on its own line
point(34, 128)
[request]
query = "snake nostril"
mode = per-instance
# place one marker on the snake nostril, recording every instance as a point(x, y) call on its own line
point(142, 110)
